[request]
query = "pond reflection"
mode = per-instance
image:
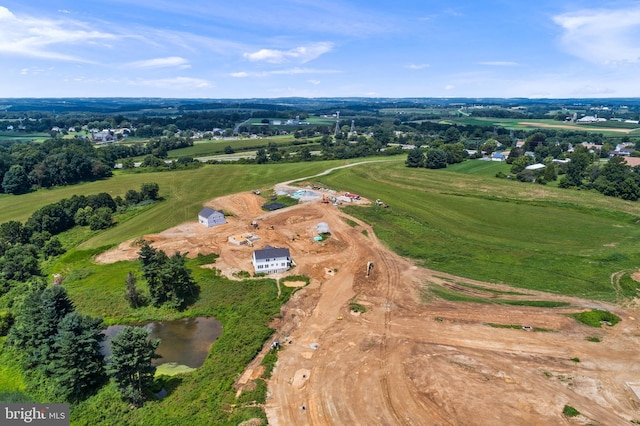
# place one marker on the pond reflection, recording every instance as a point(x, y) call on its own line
point(184, 342)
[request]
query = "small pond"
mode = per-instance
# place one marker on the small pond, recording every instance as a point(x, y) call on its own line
point(182, 342)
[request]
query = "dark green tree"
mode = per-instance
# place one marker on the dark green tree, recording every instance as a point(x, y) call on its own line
point(520, 163)
point(577, 167)
point(261, 156)
point(13, 232)
point(182, 287)
point(132, 197)
point(36, 323)
point(16, 181)
point(100, 219)
point(132, 294)
point(168, 278)
point(452, 135)
point(436, 159)
point(76, 363)
point(149, 191)
point(132, 354)
point(153, 261)
point(53, 247)
point(19, 263)
point(415, 158)
point(455, 152)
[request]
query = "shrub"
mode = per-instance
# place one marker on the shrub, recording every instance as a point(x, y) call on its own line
point(569, 411)
point(596, 317)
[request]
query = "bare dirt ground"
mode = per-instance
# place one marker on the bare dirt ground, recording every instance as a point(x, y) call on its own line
point(411, 360)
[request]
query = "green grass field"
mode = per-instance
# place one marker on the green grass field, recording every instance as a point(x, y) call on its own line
point(468, 223)
point(216, 147)
point(609, 128)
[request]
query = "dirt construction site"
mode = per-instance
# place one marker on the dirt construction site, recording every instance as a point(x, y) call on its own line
point(412, 358)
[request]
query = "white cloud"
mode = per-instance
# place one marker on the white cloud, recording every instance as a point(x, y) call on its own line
point(35, 37)
point(314, 82)
point(172, 61)
point(449, 87)
point(499, 63)
point(174, 83)
point(300, 54)
point(604, 36)
point(292, 71)
point(417, 66)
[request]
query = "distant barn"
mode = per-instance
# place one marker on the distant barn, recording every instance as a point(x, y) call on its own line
point(210, 217)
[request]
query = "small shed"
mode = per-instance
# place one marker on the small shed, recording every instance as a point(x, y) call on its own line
point(210, 217)
point(323, 228)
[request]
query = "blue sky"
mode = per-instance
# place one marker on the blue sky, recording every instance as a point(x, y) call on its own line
point(319, 48)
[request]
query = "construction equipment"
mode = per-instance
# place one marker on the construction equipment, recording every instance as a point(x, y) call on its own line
point(369, 268)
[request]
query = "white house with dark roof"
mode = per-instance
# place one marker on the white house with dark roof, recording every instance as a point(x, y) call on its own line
point(210, 217)
point(271, 260)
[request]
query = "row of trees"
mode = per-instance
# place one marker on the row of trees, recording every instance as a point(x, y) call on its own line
point(437, 158)
point(61, 349)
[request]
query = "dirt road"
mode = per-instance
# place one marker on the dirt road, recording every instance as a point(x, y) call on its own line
point(411, 358)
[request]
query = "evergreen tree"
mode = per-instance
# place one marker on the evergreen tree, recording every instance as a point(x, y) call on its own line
point(182, 287)
point(133, 295)
point(37, 322)
point(130, 366)
point(152, 262)
point(415, 158)
point(168, 278)
point(76, 363)
point(436, 159)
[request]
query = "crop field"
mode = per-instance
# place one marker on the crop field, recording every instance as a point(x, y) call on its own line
point(496, 230)
point(23, 137)
point(216, 147)
point(609, 128)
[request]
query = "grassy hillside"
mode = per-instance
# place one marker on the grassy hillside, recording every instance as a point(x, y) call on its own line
point(184, 193)
point(463, 221)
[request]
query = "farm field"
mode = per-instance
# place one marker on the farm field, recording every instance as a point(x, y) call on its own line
point(609, 128)
point(216, 147)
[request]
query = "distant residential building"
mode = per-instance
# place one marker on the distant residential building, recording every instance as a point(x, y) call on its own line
point(498, 156)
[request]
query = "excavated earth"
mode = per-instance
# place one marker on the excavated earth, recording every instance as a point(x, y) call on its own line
point(412, 358)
